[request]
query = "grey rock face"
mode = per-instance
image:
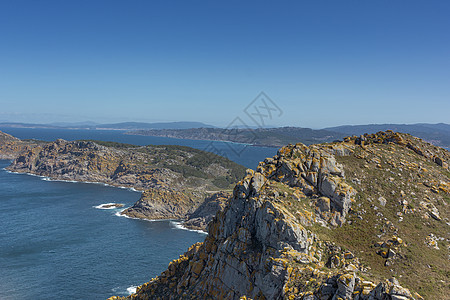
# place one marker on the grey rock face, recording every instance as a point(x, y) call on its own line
point(200, 218)
point(346, 284)
point(317, 173)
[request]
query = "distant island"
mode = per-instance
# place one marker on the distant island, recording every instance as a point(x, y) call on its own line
point(437, 134)
point(271, 137)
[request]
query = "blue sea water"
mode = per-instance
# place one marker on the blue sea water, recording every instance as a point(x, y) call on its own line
point(55, 243)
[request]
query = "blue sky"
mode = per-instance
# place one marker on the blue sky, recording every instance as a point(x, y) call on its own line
point(324, 63)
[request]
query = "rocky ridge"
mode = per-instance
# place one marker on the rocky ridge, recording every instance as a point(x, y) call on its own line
point(328, 221)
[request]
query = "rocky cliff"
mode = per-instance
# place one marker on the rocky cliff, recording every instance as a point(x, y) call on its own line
point(329, 221)
point(174, 180)
point(205, 213)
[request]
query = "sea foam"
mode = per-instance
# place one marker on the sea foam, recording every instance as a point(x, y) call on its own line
point(178, 225)
point(107, 206)
point(131, 289)
point(57, 180)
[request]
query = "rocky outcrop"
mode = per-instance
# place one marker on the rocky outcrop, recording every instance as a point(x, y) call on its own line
point(309, 224)
point(315, 171)
point(200, 218)
point(162, 204)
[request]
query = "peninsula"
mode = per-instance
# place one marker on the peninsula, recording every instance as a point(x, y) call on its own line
point(174, 180)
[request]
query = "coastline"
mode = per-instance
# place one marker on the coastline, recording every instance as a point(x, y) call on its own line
point(48, 178)
point(207, 140)
point(177, 223)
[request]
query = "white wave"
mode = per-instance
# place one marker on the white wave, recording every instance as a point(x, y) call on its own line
point(23, 173)
point(128, 188)
point(132, 289)
point(58, 180)
point(124, 291)
point(107, 206)
point(179, 225)
point(119, 214)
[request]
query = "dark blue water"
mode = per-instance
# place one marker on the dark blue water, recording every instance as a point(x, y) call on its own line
point(245, 155)
point(54, 243)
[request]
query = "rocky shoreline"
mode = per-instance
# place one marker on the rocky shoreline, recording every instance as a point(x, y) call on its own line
point(173, 180)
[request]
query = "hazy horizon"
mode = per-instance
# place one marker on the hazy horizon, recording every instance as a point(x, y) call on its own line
point(323, 64)
point(92, 123)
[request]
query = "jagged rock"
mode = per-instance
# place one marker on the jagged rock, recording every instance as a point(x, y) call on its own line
point(160, 204)
point(200, 218)
point(391, 253)
point(440, 162)
point(432, 241)
point(346, 284)
point(432, 210)
point(324, 204)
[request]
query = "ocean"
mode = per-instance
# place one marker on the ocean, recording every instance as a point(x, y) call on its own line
point(55, 241)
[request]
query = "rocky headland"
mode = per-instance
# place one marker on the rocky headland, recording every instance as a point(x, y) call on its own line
point(174, 180)
point(365, 218)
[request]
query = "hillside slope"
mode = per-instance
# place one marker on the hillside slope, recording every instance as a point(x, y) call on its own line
point(330, 221)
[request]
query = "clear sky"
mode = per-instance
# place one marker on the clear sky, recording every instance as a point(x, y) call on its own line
point(323, 63)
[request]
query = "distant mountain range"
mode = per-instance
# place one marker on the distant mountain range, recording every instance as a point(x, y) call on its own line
point(117, 126)
point(437, 134)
